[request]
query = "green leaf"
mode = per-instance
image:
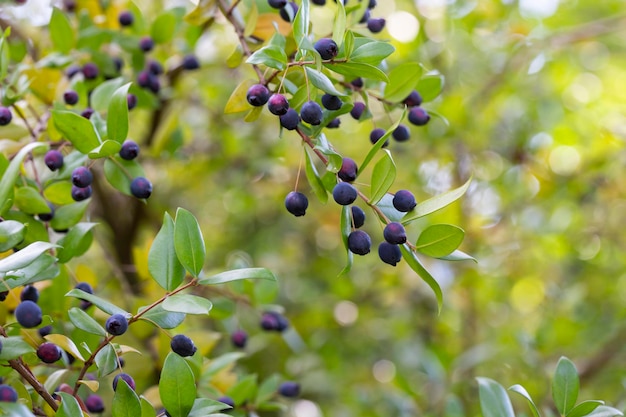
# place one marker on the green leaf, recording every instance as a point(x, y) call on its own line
point(11, 233)
point(69, 215)
point(11, 173)
point(107, 148)
point(163, 263)
point(25, 256)
point(322, 82)
point(301, 23)
point(117, 115)
point(378, 145)
point(147, 409)
point(430, 86)
point(339, 26)
point(76, 242)
point(244, 390)
point(76, 129)
point(358, 69)
point(605, 411)
point(314, 179)
point(66, 344)
point(106, 360)
point(346, 228)
point(457, 255)
point(436, 203)
point(187, 303)
point(85, 322)
point(251, 20)
point(61, 31)
point(69, 406)
point(188, 242)
point(103, 94)
point(271, 56)
point(415, 264)
point(120, 173)
point(386, 206)
point(163, 319)
point(267, 389)
point(203, 407)
point(125, 401)
point(163, 27)
point(30, 201)
point(221, 362)
point(494, 402)
point(402, 80)
point(383, 175)
point(334, 159)
point(565, 385)
point(238, 274)
point(439, 240)
point(43, 268)
point(102, 304)
point(372, 53)
point(522, 391)
point(15, 410)
point(348, 43)
point(177, 386)
point(13, 347)
point(584, 408)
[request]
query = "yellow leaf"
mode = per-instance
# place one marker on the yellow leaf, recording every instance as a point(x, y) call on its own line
point(265, 26)
point(66, 344)
point(237, 101)
point(92, 385)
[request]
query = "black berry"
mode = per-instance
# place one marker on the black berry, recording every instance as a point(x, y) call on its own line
point(331, 102)
point(28, 314)
point(49, 352)
point(29, 292)
point(375, 25)
point(131, 101)
point(401, 133)
point(7, 394)
point(46, 217)
point(418, 116)
point(239, 338)
point(146, 44)
point(359, 242)
point(126, 18)
point(296, 203)
point(366, 16)
point(144, 78)
point(278, 104)
point(87, 113)
point(357, 82)
point(129, 150)
point(70, 97)
point(311, 112)
point(389, 253)
point(394, 233)
point(404, 201)
point(81, 193)
point(5, 116)
point(274, 321)
point(327, 48)
point(182, 345)
point(288, 13)
point(45, 330)
point(258, 95)
point(94, 403)
point(358, 217)
point(90, 71)
point(154, 67)
point(277, 4)
point(289, 389)
point(290, 119)
point(83, 286)
point(375, 136)
point(228, 401)
point(318, 2)
point(344, 193)
point(72, 70)
point(129, 380)
point(357, 110)
point(334, 124)
point(82, 177)
point(117, 324)
point(348, 170)
point(141, 187)
point(53, 160)
point(413, 99)
point(190, 62)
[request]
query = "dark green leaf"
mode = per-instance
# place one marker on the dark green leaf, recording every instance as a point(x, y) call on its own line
point(203, 407)
point(314, 179)
point(271, 56)
point(69, 406)
point(76, 129)
point(107, 148)
point(383, 175)
point(30, 201)
point(188, 242)
point(436, 203)
point(177, 386)
point(125, 401)
point(85, 322)
point(372, 53)
point(103, 305)
point(120, 173)
point(69, 215)
point(301, 23)
point(11, 233)
point(103, 93)
point(522, 391)
point(494, 402)
point(402, 80)
point(13, 347)
point(584, 408)
point(106, 360)
point(439, 240)
point(238, 274)
point(11, 173)
point(417, 266)
point(322, 82)
point(25, 256)
point(76, 242)
point(187, 303)
point(430, 86)
point(61, 31)
point(117, 115)
point(163, 263)
point(147, 409)
point(357, 69)
point(244, 390)
point(163, 319)
point(565, 385)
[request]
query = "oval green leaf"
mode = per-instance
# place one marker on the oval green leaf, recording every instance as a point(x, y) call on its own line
point(439, 240)
point(14, 347)
point(125, 401)
point(321, 81)
point(25, 256)
point(163, 263)
point(61, 31)
point(411, 258)
point(117, 114)
point(358, 69)
point(565, 385)
point(494, 402)
point(402, 80)
point(85, 322)
point(76, 129)
point(69, 406)
point(103, 305)
point(30, 201)
point(188, 242)
point(436, 203)
point(12, 171)
point(383, 175)
point(76, 242)
point(177, 386)
point(187, 303)
point(372, 53)
point(11, 233)
point(238, 274)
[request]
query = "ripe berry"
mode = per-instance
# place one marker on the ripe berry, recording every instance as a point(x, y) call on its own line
point(311, 112)
point(418, 116)
point(131, 101)
point(239, 338)
point(182, 345)
point(70, 97)
point(318, 2)
point(154, 67)
point(5, 116)
point(83, 286)
point(274, 321)
point(117, 324)
point(371, 4)
point(29, 292)
point(357, 82)
point(359, 242)
point(401, 133)
point(118, 63)
point(296, 203)
point(358, 217)
point(278, 104)
point(190, 62)
point(49, 352)
point(327, 48)
point(334, 124)
point(394, 233)
point(289, 389)
point(7, 394)
point(277, 4)
point(331, 102)
point(146, 44)
point(82, 177)
point(288, 13)
point(143, 79)
point(348, 170)
point(290, 119)
point(141, 187)
point(258, 95)
point(72, 70)
point(404, 201)
point(129, 150)
point(28, 314)
point(80, 193)
point(413, 99)
point(44, 331)
point(375, 136)
point(129, 380)
point(375, 25)
point(389, 254)
point(53, 160)
point(94, 403)
point(90, 71)
point(357, 110)
point(46, 217)
point(154, 84)
point(87, 113)
point(228, 401)
point(344, 193)
point(126, 18)
point(3, 295)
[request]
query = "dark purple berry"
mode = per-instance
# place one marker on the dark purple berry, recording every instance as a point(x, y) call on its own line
point(228, 401)
point(5, 116)
point(359, 242)
point(154, 67)
point(46, 217)
point(357, 110)
point(81, 193)
point(70, 5)
point(84, 304)
point(389, 253)
point(28, 314)
point(146, 44)
point(239, 338)
point(190, 62)
point(344, 193)
point(404, 201)
point(371, 4)
point(141, 187)
point(334, 124)
point(143, 79)
point(83, 286)
point(3, 295)
point(277, 4)
point(357, 82)
point(413, 99)
point(375, 136)
point(288, 13)
point(82, 177)
point(8, 394)
point(45, 330)
point(116, 324)
point(274, 321)
point(182, 345)
point(29, 292)
point(258, 95)
point(72, 70)
point(87, 113)
point(311, 112)
point(90, 71)
point(126, 18)
point(331, 102)
point(94, 403)
point(289, 389)
point(70, 97)
point(129, 150)
point(401, 133)
point(366, 16)
point(131, 101)
point(53, 160)
point(375, 25)
point(348, 170)
point(327, 48)
point(318, 2)
point(358, 217)
point(278, 104)
point(49, 352)
point(118, 63)
point(394, 233)
point(290, 119)
point(418, 116)
point(129, 380)
point(155, 84)
point(296, 203)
